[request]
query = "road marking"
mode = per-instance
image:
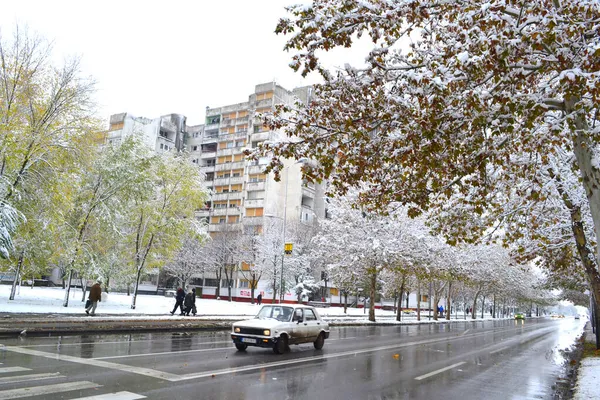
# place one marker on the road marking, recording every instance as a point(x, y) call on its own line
point(119, 342)
point(114, 396)
point(439, 371)
point(301, 360)
point(13, 369)
point(465, 332)
point(499, 350)
point(165, 353)
point(44, 390)
point(30, 377)
point(97, 363)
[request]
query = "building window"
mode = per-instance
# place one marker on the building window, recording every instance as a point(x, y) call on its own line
point(195, 148)
point(244, 284)
point(211, 282)
point(221, 220)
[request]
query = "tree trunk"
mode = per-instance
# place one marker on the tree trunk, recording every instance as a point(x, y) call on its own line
point(482, 306)
point(419, 301)
point(135, 288)
point(252, 291)
point(436, 304)
point(68, 289)
point(448, 300)
point(399, 310)
point(494, 307)
point(106, 284)
point(345, 301)
point(473, 314)
point(407, 294)
point(372, 288)
point(17, 275)
point(83, 289)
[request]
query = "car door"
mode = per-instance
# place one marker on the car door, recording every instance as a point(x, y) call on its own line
point(312, 325)
point(298, 330)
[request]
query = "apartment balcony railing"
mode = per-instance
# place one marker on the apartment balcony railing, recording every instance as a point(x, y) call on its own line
point(254, 203)
point(211, 126)
point(224, 227)
point(254, 186)
point(230, 166)
point(231, 151)
point(253, 221)
point(260, 136)
point(208, 154)
point(207, 168)
point(219, 212)
point(256, 169)
point(228, 181)
point(227, 196)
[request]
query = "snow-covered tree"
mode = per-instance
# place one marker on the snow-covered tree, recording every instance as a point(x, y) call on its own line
point(187, 261)
point(445, 99)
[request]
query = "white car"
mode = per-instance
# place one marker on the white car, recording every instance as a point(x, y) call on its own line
point(278, 326)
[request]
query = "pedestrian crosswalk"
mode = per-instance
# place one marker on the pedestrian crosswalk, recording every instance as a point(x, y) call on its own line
point(42, 389)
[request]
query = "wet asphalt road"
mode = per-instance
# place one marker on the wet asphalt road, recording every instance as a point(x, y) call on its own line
point(466, 360)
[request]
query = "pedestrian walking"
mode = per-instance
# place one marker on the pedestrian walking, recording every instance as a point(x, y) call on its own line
point(259, 299)
point(189, 303)
point(441, 311)
point(94, 297)
point(179, 297)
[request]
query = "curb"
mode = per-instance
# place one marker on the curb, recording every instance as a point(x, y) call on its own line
point(38, 327)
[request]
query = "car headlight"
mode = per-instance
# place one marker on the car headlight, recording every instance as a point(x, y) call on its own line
point(237, 330)
point(267, 332)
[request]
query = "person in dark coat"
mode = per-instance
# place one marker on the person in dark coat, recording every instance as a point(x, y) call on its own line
point(259, 299)
point(179, 297)
point(189, 303)
point(94, 297)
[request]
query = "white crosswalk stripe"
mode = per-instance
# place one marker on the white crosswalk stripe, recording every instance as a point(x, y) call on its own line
point(45, 390)
point(114, 396)
point(30, 377)
point(13, 369)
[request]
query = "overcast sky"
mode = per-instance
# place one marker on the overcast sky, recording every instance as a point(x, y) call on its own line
point(156, 57)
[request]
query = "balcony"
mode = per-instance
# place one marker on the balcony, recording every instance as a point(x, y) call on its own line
point(260, 136)
point(219, 212)
point(205, 212)
point(230, 166)
point(208, 154)
point(226, 196)
point(228, 181)
point(253, 221)
point(224, 227)
point(227, 122)
point(256, 169)
point(241, 120)
point(254, 186)
point(231, 151)
point(207, 168)
point(254, 203)
point(211, 126)
point(308, 192)
point(263, 103)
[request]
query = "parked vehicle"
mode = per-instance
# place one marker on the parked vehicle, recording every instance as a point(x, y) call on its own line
point(278, 326)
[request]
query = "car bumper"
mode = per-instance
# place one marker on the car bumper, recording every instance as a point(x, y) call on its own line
point(260, 341)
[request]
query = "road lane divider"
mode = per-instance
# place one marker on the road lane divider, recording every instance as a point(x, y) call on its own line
point(13, 369)
point(439, 371)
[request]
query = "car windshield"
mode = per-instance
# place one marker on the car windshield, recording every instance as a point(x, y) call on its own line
point(276, 312)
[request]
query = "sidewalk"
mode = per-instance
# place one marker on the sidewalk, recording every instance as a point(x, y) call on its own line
point(588, 376)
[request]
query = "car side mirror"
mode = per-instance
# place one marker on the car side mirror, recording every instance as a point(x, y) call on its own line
point(300, 320)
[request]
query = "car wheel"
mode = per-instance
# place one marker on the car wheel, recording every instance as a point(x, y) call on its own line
point(281, 345)
point(319, 342)
point(241, 346)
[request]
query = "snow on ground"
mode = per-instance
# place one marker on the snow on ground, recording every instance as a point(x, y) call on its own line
point(587, 379)
point(50, 300)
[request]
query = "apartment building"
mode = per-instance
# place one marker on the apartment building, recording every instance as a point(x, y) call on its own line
point(243, 196)
point(164, 133)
